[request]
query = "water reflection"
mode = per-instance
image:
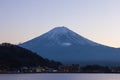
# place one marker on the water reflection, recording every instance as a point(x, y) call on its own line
point(59, 76)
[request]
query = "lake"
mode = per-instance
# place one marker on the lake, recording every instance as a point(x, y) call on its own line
point(59, 76)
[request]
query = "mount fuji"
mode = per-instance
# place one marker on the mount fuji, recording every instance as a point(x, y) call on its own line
point(64, 45)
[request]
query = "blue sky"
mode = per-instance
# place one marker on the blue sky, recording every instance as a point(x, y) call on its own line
point(97, 20)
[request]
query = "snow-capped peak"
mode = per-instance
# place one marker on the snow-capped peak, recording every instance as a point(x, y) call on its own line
point(62, 35)
point(61, 29)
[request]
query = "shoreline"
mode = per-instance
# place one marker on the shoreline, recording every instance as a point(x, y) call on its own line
point(65, 73)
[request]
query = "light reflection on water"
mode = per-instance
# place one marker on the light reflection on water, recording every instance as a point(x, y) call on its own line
point(59, 76)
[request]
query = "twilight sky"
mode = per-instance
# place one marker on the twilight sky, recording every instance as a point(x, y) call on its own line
point(97, 20)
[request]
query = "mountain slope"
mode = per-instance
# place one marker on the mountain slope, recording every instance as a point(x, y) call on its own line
point(13, 56)
point(64, 45)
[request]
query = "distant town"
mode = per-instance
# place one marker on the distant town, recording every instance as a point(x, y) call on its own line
point(74, 68)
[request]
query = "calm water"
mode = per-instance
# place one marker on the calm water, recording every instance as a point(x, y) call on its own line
point(59, 76)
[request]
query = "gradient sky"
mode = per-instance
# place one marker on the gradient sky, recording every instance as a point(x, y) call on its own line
point(97, 20)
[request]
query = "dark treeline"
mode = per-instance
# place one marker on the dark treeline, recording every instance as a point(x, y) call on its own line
point(13, 56)
point(96, 68)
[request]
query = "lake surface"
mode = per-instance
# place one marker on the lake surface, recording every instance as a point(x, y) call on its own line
point(63, 76)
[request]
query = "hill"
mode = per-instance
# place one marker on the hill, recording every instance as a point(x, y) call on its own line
point(13, 56)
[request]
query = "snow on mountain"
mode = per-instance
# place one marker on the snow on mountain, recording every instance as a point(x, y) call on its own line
point(63, 35)
point(62, 44)
point(60, 36)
